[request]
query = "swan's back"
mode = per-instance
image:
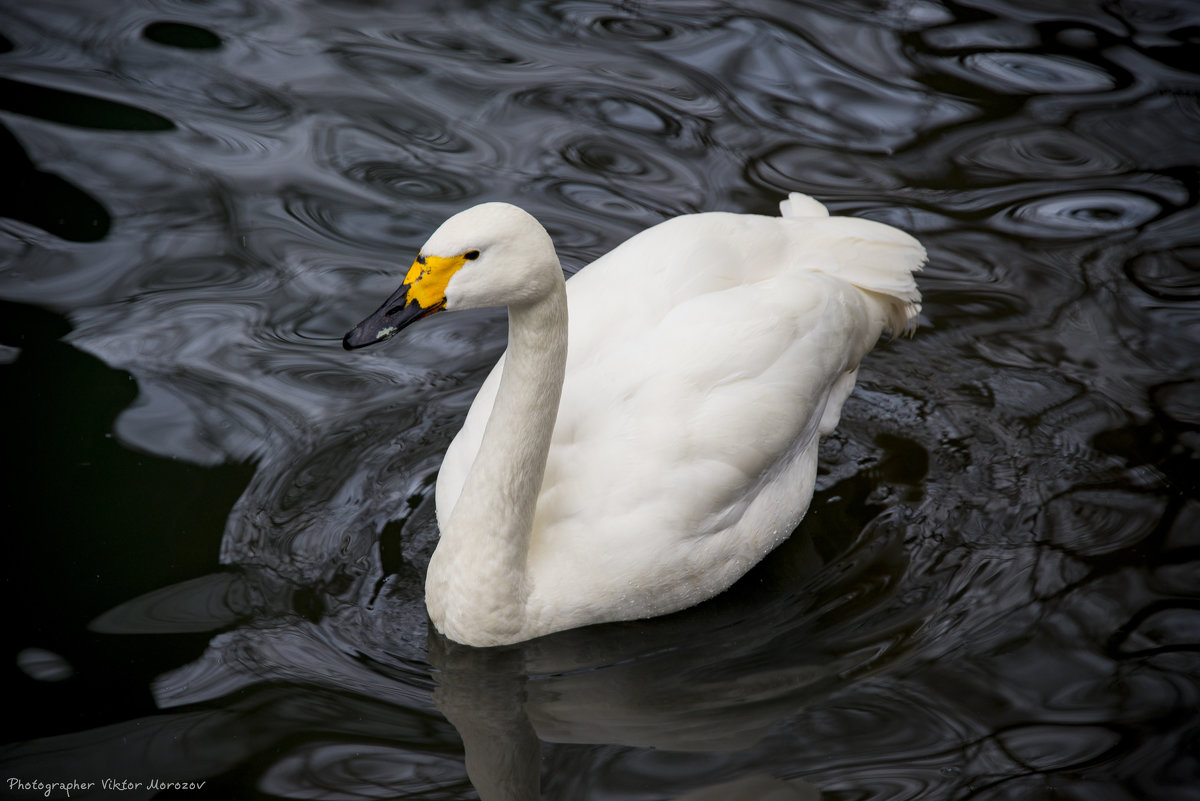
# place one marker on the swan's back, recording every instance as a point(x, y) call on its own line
point(705, 357)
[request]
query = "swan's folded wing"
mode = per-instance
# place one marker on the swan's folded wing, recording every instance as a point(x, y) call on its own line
point(676, 427)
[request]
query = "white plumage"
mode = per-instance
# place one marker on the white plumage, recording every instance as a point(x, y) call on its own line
point(704, 358)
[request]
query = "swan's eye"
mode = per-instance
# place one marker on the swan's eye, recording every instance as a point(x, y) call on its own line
point(471, 255)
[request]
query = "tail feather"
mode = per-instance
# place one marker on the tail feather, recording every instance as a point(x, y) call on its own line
point(798, 205)
point(876, 258)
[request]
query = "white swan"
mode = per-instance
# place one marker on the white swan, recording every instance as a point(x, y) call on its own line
point(649, 463)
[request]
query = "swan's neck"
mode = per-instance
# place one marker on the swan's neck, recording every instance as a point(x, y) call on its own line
point(476, 586)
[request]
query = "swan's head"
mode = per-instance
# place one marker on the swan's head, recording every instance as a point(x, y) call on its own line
point(493, 254)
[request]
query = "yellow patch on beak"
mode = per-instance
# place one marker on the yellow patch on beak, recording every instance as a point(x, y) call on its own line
point(428, 277)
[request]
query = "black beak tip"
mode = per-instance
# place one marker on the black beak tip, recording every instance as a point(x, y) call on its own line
point(357, 338)
point(386, 322)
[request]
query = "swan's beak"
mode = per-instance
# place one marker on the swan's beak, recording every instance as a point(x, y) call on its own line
point(397, 312)
point(422, 293)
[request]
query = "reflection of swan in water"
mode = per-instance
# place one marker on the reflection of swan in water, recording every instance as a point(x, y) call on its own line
point(500, 711)
point(706, 356)
point(711, 680)
point(714, 679)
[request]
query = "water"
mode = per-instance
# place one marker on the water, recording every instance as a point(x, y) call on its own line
point(217, 522)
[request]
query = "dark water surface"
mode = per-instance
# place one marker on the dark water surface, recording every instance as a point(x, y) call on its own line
point(217, 523)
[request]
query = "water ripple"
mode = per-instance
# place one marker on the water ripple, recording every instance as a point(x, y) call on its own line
point(624, 110)
point(338, 770)
point(1126, 518)
point(1081, 214)
point(1029, 73)
point(1172, 274)
point(205, 604)
point(182, 35)
point(1051, 152)
point(607, 155)
point(471, 49)
point(640, 30)
point(413, 183)
point(1180, 401)
point(835, 174)
point(350, 222)
point(597, 198)
point(43, 665)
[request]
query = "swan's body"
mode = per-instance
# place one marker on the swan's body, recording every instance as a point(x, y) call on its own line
point(702, 361)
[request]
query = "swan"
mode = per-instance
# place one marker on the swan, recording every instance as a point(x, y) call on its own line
point(651, 431)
